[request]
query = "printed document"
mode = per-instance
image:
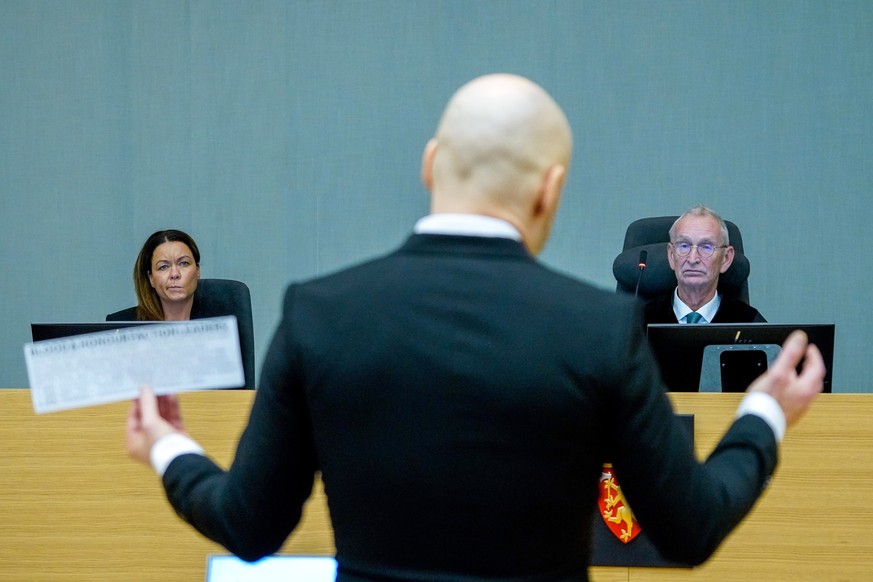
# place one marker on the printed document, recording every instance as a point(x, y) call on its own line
point(110, 366)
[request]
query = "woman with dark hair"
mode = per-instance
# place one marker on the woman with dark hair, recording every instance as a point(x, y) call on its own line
point(165, 277)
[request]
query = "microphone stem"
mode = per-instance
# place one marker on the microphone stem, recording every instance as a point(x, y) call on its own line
point(639, 278)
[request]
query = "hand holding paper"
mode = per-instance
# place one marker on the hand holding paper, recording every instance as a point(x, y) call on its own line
point(151, 417)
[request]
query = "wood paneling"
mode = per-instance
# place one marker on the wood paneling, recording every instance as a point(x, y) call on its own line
point(73, 507)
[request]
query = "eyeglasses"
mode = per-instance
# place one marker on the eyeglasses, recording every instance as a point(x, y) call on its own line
point(705, 250)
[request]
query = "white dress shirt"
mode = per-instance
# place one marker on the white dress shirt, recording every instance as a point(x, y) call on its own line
point(466, 225)
point(707, 312)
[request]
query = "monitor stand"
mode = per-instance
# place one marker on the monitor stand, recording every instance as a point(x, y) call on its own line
point(732, 367)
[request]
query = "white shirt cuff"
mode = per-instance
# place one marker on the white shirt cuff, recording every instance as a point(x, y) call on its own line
point(765, 406)
point(170, 446)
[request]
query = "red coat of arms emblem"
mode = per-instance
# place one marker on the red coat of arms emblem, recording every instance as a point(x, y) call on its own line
point(614, 510)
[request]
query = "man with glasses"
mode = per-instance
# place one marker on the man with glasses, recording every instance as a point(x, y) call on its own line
point(699, 251)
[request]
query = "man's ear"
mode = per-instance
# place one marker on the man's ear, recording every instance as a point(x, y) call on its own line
point(539, 218)
point(550, 191)
point(427, 164)
point(728, 259)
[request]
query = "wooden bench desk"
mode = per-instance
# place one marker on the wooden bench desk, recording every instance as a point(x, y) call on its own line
point(74, 507)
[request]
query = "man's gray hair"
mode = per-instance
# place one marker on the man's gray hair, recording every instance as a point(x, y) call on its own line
point(702, 211)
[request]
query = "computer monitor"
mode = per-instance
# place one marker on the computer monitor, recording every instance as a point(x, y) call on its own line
point(727, 357)
point(47, 331)
point(271, 569)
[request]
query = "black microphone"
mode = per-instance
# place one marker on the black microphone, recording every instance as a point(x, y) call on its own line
point(642, 266)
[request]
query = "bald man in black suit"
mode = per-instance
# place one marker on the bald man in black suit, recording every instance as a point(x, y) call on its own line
point(460, 398)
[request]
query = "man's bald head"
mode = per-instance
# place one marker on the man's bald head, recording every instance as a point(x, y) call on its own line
point(500, 137)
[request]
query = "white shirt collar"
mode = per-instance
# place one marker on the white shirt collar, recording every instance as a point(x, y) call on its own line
point(708, 311)
point(466, 225)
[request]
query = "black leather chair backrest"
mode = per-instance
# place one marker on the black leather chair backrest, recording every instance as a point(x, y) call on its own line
point(652, 235)
point(215, 298)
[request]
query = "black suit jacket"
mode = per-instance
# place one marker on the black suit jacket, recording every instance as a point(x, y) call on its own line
point(460, 399)
point(197, 312)
point(730, 310)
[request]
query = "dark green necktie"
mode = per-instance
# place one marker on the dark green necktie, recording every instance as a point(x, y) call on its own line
point(693, 317)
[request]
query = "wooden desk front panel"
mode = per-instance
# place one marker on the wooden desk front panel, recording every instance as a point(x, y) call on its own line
point(73, 507)
point(815, 522)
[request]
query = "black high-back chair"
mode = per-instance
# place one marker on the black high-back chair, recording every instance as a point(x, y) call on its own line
point(652, 235)
point(215, 298)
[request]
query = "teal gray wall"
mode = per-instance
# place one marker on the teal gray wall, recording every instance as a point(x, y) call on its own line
point(286, 138)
